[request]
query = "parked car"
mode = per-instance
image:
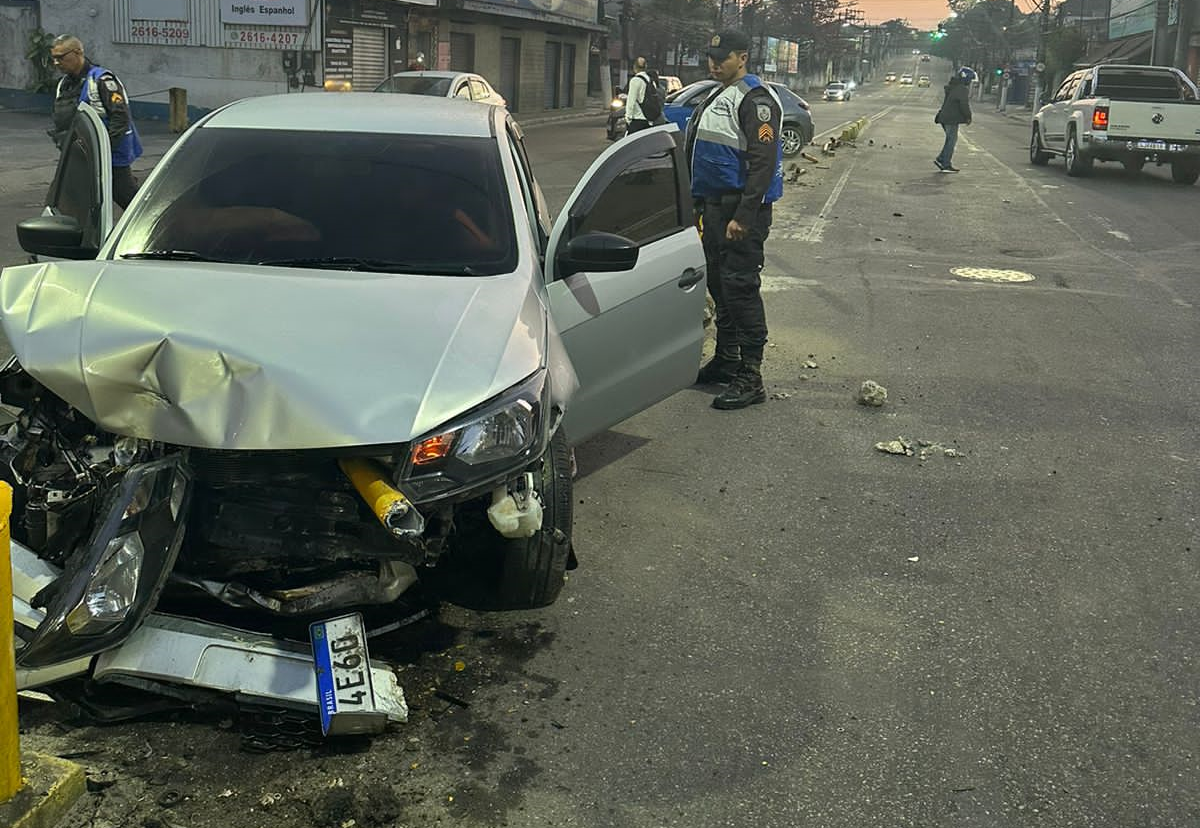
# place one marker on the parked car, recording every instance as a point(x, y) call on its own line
point(838, 91)
point(924, 58)
point(890, 77)
point(797, 130)
point(906, 79)
point(334, 340)
point(670, 83)
point(923, 81)
point(1128, 114)
point(463, 85)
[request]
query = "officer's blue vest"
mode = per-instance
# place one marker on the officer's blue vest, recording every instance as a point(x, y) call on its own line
point(130, 145)
point(719, 161)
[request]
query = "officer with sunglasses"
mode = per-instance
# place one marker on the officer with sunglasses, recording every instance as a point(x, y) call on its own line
point(84, 82)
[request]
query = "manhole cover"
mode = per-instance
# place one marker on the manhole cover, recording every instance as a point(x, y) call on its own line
point(992, 274)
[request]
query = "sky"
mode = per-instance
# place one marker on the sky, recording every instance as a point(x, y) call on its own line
point(924, 14)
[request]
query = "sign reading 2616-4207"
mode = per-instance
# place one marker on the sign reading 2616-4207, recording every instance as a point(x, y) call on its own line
point(265, 12)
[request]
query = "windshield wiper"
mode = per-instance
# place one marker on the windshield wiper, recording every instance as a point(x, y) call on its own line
point(374, 266)
point(169, 255)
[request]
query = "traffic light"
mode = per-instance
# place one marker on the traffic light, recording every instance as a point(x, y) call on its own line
point(940, 33)
point(999, 71)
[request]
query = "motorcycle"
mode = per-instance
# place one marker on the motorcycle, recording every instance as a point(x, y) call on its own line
point(615, 126)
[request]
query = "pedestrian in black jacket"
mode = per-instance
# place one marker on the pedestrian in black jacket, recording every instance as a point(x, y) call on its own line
point(956, 109)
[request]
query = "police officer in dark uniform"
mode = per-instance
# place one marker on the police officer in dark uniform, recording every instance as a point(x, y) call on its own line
point(737, 173)
point(84, 82)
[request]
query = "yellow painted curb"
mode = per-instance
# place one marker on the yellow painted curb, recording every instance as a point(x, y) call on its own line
point(52, 787)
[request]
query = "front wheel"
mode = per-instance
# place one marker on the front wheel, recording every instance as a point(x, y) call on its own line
point(791, 139)
point(1185, 172)
point(485, 571)
point(1078, 164)
point(1037, 153)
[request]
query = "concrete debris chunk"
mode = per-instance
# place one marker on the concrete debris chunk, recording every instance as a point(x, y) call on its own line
point(810, 364)
point(900, 446)
point(872, 393)
point(781, 395)
point(810, 159)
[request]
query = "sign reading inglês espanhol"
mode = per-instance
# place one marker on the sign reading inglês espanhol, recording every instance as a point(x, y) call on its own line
point(265, 12)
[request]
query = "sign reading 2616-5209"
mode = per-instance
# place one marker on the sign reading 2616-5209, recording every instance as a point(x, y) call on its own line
point(265, 12)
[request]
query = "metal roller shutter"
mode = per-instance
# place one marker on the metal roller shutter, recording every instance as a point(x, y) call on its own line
point(510, 59)
point(370, 58)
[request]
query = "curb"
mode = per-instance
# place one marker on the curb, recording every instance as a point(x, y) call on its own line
point(554, 119)
point(52, 787)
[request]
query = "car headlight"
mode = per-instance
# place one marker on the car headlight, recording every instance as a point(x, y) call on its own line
point(617, 103)
point(109, 586)
point(503, 435)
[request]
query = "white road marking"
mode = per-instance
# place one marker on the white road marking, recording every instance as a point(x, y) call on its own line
point(1120, 235)
point(817, 231)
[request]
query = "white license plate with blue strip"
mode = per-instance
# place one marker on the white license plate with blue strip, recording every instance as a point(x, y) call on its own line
point(345, 694)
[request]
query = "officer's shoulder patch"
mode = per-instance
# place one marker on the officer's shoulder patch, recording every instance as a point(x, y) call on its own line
point(766, 134)
point(764, 112)
point(110, 83)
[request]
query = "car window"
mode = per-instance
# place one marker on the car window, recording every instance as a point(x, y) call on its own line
point(416, 85)
point(641, 203)
point(426, 204)
point(479, 90)
point(74, 192)
point(463, 90)
point(1129, 83)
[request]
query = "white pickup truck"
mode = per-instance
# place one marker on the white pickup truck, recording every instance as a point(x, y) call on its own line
point(1130, 114)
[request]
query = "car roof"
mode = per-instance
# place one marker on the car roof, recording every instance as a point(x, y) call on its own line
point(421, 73)
point(357, 112)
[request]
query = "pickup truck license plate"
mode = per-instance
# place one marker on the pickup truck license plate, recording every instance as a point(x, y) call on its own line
point(1152, 145)
point(345, 695)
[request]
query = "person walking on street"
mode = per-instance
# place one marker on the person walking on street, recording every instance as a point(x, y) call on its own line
point(635, 97)
point(736, 161)
point(84, 82)
point(956, 109)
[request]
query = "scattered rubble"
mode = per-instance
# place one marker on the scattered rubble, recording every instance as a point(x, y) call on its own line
point(900, 446)
point(781, 395)
point(810, 364)
point(872, 394)
point(925, 449)
point(810, 158)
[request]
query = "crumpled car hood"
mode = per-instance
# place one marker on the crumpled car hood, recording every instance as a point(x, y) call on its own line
point(267, 358)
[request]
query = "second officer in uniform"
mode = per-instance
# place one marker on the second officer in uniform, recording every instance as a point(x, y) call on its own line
point(737, 174)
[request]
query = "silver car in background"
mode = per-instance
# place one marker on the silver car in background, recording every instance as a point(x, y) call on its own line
point(465, 86)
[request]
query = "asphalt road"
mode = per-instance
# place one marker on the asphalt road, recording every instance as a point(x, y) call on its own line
point(775, 624)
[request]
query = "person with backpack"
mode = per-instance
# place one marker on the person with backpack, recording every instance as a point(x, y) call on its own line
point(643, 100)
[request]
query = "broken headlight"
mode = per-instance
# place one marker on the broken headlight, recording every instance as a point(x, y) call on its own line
point(498, 438)
point(108, 587)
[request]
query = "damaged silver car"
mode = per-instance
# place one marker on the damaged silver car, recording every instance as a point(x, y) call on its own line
point(333, 348)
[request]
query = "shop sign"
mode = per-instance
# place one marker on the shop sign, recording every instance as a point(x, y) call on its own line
point(265, 12)
point(162, 10)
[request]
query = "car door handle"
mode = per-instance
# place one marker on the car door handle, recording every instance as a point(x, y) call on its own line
point(690, 277)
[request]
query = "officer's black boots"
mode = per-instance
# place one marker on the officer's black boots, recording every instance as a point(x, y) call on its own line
point(745, 389)
point(723, 367)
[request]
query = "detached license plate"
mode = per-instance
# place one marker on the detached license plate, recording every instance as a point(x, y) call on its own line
point(345, 696)
point(1152, 145)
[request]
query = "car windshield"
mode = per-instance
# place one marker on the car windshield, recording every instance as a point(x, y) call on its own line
point(339, 200)
point(692, 90)
point(836, 86)
point(416, 85)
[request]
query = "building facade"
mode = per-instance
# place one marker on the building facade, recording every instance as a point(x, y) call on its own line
point(535, 52)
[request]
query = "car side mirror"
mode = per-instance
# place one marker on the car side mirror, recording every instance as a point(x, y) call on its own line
point(60, 237)
point(597, 252)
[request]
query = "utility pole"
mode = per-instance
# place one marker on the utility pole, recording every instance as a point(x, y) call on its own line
point(1183, 37)
point(1160, 51)
point(626, 20)
point(1043, 33)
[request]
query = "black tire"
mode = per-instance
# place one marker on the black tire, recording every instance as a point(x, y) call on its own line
point(533, 569)
point(1185, 172)
point(791, 139)
point(1078, 164)
point(1037, 153)
point(484, 571)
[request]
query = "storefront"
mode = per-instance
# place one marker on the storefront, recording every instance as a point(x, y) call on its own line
point(368, 40)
